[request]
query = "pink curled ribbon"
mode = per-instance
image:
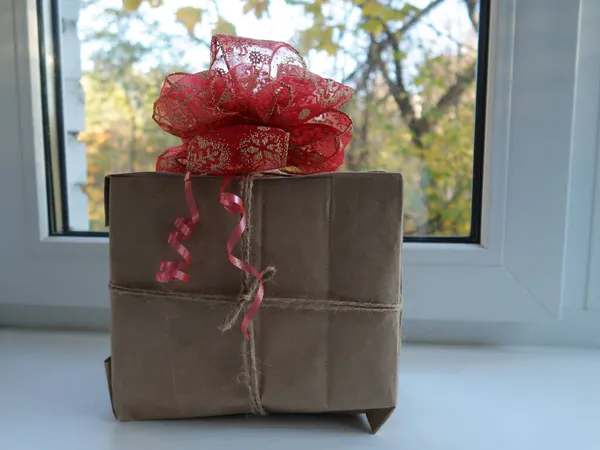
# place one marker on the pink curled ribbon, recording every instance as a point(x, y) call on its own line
point(174, 270)
point(234, 205)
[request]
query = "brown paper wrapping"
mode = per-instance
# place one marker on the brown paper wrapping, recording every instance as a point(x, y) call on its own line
point(330, 236)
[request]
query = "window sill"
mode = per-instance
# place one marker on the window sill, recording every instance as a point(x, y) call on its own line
point(54, 396)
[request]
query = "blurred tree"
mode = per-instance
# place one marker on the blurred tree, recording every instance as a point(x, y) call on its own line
point(413, 114)
point(120, 135)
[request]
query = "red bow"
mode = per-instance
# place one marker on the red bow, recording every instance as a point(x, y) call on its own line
point(255, 109)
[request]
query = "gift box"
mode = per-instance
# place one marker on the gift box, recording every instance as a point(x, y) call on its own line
point(245, 276)
point(326, 338)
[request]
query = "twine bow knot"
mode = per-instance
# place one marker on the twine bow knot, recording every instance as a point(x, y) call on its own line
point(246, 297)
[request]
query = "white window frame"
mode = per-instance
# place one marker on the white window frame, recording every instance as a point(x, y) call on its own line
point(541, 159)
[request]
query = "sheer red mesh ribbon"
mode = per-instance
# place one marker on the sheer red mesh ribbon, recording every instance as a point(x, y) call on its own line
point(257, 108)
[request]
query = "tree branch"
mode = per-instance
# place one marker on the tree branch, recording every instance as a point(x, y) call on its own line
point(463, 80)
point(471, 9)
point(367, 67)
point(419, 126)
point(418, 16)
point(451, 38)
point(448, 98)
point(356, 156)
point(396, 87)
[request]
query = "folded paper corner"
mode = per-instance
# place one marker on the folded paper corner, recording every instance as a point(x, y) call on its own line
point(107, 369)
point(377, 417)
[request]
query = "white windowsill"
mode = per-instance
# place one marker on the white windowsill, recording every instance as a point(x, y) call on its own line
point(53, 395)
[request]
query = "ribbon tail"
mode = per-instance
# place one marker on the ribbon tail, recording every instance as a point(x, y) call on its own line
point(234, 205)
point(174, 270)
point(254, 307)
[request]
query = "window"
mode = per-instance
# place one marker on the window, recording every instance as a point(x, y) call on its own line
point(418, 69)
point(532, 274)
